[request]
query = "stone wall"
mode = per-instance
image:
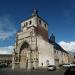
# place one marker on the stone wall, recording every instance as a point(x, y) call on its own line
point(46, 52)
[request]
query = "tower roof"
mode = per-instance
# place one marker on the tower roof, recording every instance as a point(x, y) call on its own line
point(52, 37)
point(34, 12)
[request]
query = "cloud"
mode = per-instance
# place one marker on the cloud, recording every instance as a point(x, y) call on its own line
point(68, 46)
point(7, 27)
point(5, 35)
point(6, 50)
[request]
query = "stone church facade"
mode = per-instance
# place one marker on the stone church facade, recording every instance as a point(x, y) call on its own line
point(32, 49)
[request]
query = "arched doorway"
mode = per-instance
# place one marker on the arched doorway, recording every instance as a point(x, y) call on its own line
point(24, 51)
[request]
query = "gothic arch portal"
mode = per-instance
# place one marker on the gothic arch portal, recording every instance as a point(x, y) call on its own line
point(24, 55)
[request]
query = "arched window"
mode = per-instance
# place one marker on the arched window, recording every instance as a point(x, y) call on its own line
point(30, 22)
point(45, 25)
point(39, 21)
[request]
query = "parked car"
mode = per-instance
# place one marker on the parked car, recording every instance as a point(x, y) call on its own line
point(3, 65)
point(72, 64)
point(51, 68)
point(66, 65)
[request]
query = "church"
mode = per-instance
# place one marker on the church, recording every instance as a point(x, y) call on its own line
point(33, 48)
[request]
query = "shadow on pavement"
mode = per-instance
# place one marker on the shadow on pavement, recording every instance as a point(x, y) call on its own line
point(70, 71)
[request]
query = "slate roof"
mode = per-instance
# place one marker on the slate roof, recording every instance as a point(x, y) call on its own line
point(32, 17)
point(57, 46)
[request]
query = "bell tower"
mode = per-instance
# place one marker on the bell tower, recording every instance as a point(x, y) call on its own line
point(33, 30)
point(37, 24)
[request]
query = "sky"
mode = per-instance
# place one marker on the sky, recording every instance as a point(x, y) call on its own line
point(60, 15)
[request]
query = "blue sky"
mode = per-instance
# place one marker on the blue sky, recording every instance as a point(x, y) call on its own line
point(60, 15)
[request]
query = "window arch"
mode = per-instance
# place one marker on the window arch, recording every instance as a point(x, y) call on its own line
point(24, 45)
